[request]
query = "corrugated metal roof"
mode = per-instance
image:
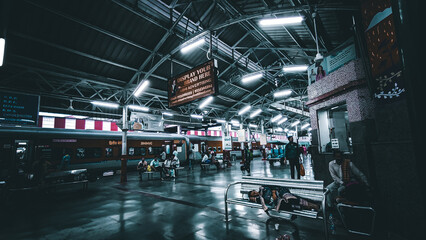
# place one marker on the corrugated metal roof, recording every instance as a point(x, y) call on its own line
point(93, 49)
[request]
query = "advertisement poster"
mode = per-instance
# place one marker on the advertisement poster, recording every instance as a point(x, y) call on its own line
point(241, 135)
point(145, 122)
point(383, 52)
point(227, 143)
point(263, 139)
point(196, 83)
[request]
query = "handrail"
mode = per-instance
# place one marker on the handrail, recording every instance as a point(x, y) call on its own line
point(226, 199)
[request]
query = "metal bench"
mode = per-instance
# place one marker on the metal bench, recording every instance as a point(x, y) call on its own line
point(150, 174)
point(313, 190)
point(206, 166)
point(177, 170)
point(272, 160)
point(347, 213)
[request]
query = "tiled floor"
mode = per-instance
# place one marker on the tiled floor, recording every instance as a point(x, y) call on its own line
point(189, 207)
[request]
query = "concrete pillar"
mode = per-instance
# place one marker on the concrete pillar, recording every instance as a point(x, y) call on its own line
point(124, 146)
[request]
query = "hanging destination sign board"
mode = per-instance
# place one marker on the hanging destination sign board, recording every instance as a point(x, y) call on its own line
point(196, 83)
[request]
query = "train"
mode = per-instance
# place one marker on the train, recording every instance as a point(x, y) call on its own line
point(98, 151)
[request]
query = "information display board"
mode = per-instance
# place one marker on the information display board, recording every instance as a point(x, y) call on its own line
point(335, 143)
point(196, 83)
point(19, 109)
point(227, 143)
point(145, 122)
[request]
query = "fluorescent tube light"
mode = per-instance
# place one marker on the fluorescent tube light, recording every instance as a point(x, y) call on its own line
point(276, 118)
point(196, 116)
point(281, 21)
point(252, 125)
point(191, 45)
point(295, 68)
point(295, 123)
point(334, 107)
point(305, 126)
point(48, 114)
point(2, 49)
point(220, 121)
point(249, 78)
point(168, 114)
point(244, 110)
point(279, 129)
point(141, 87)
point(139, 108)
point(235, 121)
point(282, 93)
point(309, 129)
point(255, 113)
point(105, 104)
point(286, 130)
point(282, 120)
point(206, 102)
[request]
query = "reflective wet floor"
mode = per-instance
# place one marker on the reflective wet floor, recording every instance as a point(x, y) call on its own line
point(188, 207)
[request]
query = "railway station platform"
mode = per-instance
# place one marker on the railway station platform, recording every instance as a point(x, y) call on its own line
point(188, 207)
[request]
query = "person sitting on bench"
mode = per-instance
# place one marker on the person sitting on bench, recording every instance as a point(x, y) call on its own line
point(205, 160)
point(280, 198)
point(345, 175)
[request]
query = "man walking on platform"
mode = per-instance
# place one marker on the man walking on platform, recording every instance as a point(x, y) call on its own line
point(292, 155)
point(191, 156)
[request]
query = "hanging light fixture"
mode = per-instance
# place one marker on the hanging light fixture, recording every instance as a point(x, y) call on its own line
point(318, 57)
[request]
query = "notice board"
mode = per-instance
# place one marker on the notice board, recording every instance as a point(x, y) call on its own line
point(19, 109)
point(196, 83)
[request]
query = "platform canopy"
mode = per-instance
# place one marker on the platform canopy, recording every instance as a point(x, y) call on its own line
point(74, 52)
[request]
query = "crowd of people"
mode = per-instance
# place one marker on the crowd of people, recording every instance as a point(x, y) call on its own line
point(167, 165)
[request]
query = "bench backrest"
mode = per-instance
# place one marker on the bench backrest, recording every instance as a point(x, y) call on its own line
point(306, 189)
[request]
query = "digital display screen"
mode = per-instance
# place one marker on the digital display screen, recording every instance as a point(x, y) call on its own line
point(19, 109)
point(196, 83)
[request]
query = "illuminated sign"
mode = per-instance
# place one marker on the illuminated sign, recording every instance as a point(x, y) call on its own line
point(196, 83)
point(113, 143)
point(20, 109)
point(64, 140)
point(146, 143)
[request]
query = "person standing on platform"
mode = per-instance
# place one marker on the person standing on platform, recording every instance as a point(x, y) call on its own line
point(191, 157)
point(65, 162)
point(292, 155)
point(175, 152)
point(142, 167)
point(163, 155)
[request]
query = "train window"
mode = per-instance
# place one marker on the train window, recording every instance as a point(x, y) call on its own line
point(84, 153)
point(80, 154)
point(156, 151)
point(143, 151)
point(137, 151)
point(131, 151)
point(108, 152)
